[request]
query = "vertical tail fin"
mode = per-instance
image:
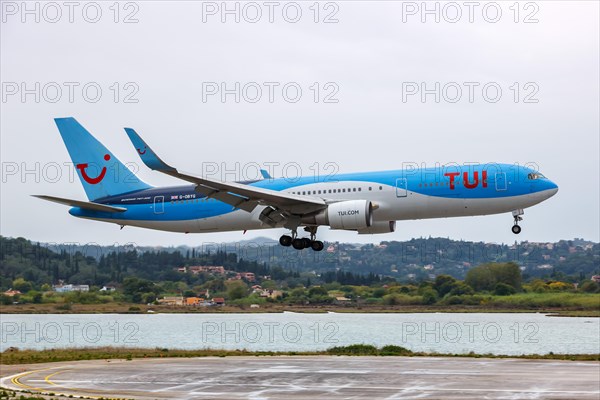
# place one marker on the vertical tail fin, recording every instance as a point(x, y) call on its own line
point(100, 172)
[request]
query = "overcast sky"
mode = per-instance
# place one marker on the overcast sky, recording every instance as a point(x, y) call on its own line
point(159, 65)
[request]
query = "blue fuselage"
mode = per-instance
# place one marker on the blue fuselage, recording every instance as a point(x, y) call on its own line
point(398, 195)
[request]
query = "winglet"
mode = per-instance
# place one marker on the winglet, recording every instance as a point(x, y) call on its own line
point(265, 174)
point(147, 155)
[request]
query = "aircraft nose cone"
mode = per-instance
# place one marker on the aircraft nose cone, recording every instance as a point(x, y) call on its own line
point(552, 188)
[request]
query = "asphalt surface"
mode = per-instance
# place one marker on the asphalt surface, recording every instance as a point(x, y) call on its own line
point(327, 377)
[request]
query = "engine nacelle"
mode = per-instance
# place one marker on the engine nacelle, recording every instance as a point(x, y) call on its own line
point(379, 227)
point(348, 215)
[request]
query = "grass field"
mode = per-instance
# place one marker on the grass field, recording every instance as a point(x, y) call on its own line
point(15, 356)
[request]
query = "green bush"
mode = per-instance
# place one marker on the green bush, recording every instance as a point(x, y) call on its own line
point(392, 350)
point(590, 287)
point(354, 349)
point(430, 296)
point(502, 289)
point(395, 299)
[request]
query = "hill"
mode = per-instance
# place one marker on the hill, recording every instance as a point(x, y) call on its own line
point(413, 260)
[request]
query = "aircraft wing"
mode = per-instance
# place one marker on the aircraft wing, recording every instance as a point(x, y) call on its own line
point(82, 204)
point(244, 197)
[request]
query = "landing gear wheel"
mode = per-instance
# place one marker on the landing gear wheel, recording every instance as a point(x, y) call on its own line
point(317, 245)
point(516, 229)
point(307, 243)
point(298, 244)
point(285, 241)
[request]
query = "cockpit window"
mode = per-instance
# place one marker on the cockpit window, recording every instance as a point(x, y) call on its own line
point(535, 175)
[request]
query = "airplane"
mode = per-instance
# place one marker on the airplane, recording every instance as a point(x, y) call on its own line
point(366, 202)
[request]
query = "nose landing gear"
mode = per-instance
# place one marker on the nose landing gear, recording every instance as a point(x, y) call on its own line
point(302, 243)
point(516, 229)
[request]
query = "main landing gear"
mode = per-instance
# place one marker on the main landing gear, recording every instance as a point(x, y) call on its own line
point(302, 243)
point(516, 229)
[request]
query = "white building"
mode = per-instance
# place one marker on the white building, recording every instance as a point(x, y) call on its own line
point(70, 288)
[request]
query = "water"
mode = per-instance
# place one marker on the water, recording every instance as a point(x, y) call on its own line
point(510, 334)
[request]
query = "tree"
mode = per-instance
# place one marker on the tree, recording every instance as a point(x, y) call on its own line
point(268, 284)
point(508, 273)
point(298, 296)
point(486, 276)
point(502, 289)
point(317, 291)
point(36, 297)
point(430, 296)
point(460, 289)
point(236, 290)
point(5, 300)
point(215, 285)
point(132, 285)
point(391, 299)
point(480, 278)
point(444, 284)
point(319, 294)
point(148, 298)
point(22, 285)
point(136, 288)
point(590, 287)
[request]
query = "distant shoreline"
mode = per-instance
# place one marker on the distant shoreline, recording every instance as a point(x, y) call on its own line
point(132, 308)
point(13, 356)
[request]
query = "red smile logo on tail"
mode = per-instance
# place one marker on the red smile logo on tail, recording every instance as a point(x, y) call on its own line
point(88, 179)
point(142, 152)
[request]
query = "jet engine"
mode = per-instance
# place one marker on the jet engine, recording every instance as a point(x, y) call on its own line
point(379, 227)
point(348, 215)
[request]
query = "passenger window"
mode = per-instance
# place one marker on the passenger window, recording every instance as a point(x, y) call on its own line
point(319, 192)
point(354, 189)
point(359, 189)
point(370, 188)
point(329, 190)
point(380, 187)
point(344, 190)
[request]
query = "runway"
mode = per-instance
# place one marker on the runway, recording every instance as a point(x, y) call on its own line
point(312, 377)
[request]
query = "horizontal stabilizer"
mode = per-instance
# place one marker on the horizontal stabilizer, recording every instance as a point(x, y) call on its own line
point(82, 204)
